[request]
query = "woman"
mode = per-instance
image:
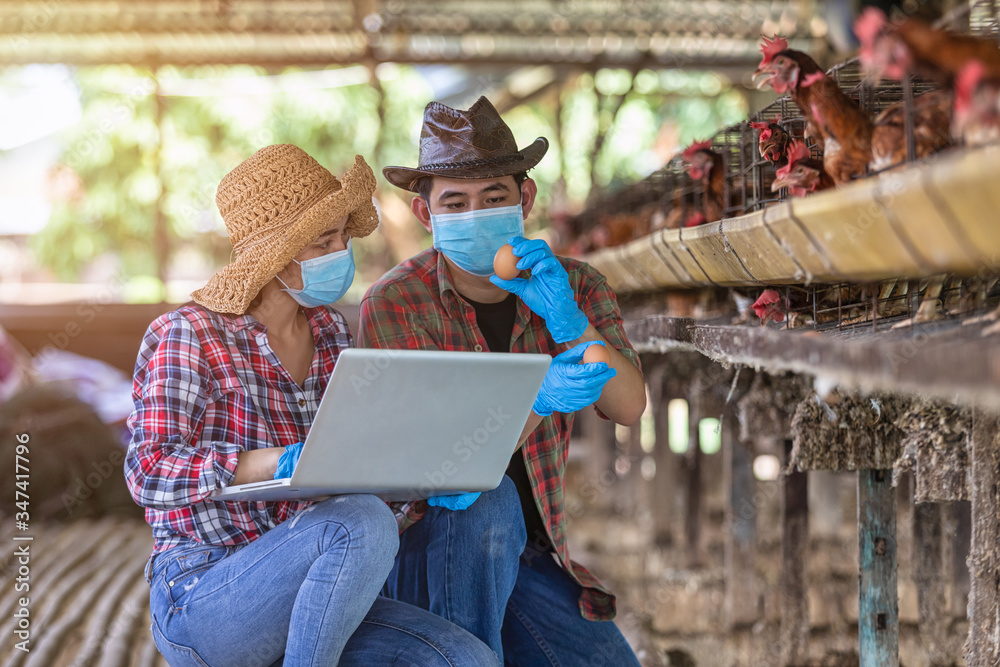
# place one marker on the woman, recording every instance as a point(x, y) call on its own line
point(224, 390)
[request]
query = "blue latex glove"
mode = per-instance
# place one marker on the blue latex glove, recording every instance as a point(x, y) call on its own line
point(547, 292)
point(289, 457)
point(458, 501)
point(569, 385)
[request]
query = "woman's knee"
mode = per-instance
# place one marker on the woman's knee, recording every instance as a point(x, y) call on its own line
point(366, 520)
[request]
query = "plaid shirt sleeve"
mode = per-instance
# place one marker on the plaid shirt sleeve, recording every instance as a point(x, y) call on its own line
point(164, 468)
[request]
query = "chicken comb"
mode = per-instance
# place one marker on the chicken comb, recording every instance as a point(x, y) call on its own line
point(810, 79)
point(767, 297)
point(695, 219)
point(965, 83)
point(868, 26)
point(770, 48)
point(765, 130)
point(695, 147)
point(762, 305)
point(797, 151)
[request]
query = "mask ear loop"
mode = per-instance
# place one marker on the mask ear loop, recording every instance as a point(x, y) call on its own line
point(289, 289)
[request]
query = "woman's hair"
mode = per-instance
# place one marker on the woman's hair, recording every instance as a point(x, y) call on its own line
point(254, 302)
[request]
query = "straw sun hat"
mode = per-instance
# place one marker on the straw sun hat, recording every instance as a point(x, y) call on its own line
point(274, 204)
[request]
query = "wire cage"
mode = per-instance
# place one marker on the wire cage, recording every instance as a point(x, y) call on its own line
point(891, 304)
point(669, 196)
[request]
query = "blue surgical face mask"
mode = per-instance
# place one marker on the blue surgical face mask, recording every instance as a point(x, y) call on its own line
point(324, 279)
point(470, 239)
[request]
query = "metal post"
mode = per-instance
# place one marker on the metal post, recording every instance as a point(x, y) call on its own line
point(929, 577)
point(878, 599)
point(911, 140)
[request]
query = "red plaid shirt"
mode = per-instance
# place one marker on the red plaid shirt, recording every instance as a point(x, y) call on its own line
point(416, 306)
point(208, 386)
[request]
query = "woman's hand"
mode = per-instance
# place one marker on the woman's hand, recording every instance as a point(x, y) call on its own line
point(288, 460)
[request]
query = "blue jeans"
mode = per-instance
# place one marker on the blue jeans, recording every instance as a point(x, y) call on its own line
point(461, 565)
point(300, 594)
point(543, 626)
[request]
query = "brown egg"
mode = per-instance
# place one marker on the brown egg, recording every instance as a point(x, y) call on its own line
point(505, 263)
point(595, 354)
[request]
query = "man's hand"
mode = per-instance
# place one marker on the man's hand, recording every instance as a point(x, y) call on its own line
point(569, 385)
point(547, 293)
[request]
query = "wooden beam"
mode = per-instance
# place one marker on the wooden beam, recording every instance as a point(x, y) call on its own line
point(982, 646)
point(878, 600)
point(794, 638)
point(740, 604)
point(884, 362)
point(958, 540)
point(693, 487)
point(929, 577)
point(664, 493)
point(633, 494)
point(835, 236)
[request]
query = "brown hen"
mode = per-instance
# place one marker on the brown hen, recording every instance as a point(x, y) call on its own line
point(783, 69)
point(846, 129)
point(803, 173)
point(931, 129)
point(893, 49)
point(705, 167)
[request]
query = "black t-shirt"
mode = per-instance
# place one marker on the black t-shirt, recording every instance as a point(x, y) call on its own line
point(496, 322)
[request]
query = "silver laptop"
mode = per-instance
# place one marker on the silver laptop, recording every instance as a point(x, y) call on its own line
point(409, 424)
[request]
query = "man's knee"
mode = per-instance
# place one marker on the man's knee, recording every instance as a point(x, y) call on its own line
point(454, 648)
point(499, 504)
point(612, 650)
point(498, 512)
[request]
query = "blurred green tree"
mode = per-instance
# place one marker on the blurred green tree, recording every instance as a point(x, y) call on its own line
point(155, 148)
point(138, 174)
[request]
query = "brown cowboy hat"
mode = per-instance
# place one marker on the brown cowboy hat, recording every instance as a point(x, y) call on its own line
point(466, 144)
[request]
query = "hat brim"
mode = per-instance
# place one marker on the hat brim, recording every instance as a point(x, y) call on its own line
point(407, 178)
point(234, 286)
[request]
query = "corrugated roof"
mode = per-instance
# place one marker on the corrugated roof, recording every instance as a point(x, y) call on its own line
point(318, 32)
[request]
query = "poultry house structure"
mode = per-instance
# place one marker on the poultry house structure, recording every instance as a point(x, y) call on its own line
point(830, 269)
point(682, 225)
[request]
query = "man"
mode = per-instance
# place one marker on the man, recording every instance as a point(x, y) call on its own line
point(473, 197)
